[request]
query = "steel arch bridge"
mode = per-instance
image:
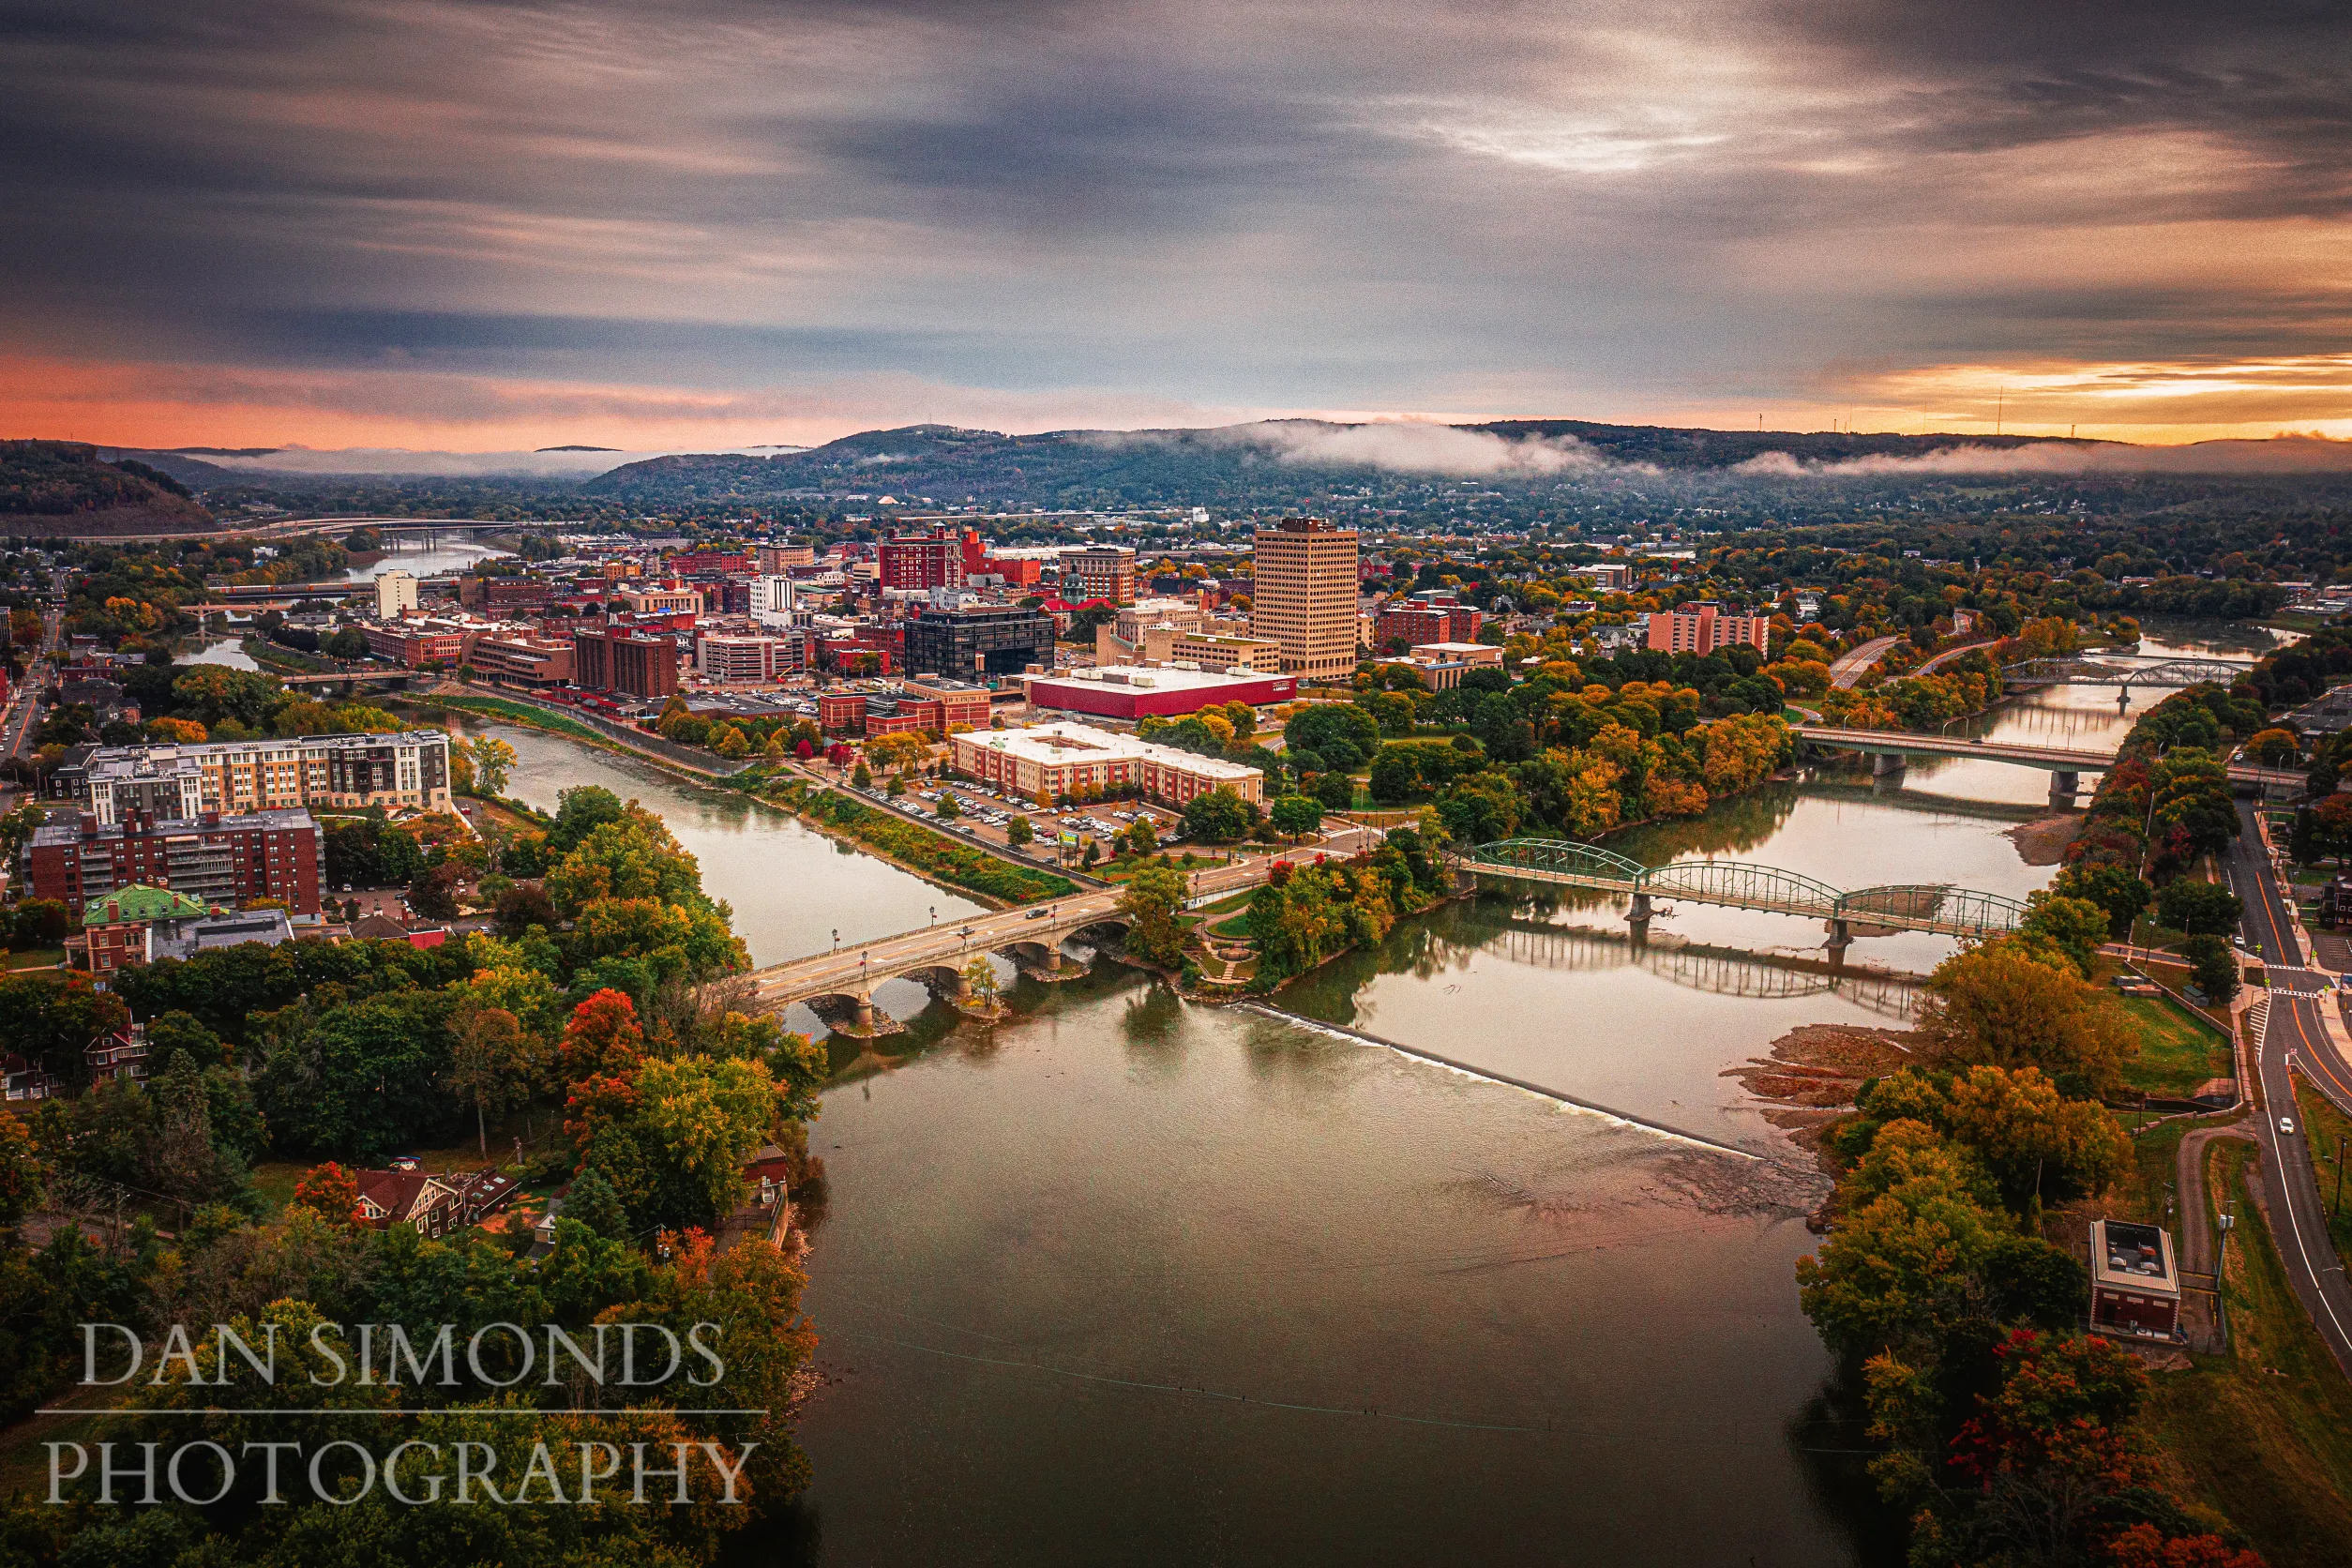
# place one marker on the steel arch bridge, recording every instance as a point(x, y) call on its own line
point(2092, 672)
point(1934, 907)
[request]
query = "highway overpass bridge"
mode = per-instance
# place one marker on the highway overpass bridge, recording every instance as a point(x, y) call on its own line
point(2079, 670)
point(1935, 907)
point(2064, 764)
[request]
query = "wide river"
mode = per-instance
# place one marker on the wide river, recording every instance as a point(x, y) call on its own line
point(1133, 1281)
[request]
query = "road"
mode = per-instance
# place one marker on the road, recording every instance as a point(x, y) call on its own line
point(2296, 1035)
point(1851, 666)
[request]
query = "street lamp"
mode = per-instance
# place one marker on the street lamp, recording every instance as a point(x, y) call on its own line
point(836, 938)
point(934, 914)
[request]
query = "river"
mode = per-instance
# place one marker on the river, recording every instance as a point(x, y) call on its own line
point(1129, 1281)
point(429, 556)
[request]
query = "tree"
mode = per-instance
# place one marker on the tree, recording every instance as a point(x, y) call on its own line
point(523, 906)
point(328, 1191)
point(489, 1063)
point(2199, 908)
point(2114, 888)
point(2274, 748)
point(861, 776)
point(2212, 967)
point(1220, 817)
point(169, 728)
point(980, 979)
point(348, 644)
point(2075, 927)
point(592, 1202)
point(1017, 831)
point(21, 1172)
point(948, 810)
point(1297, 815)
point(2000, 1004)
point(1337, 790)
point(602, 1039)
point(580, 811)
point(494, 764)
point(1142, 838)
point(435, 893)
point(1152, 902)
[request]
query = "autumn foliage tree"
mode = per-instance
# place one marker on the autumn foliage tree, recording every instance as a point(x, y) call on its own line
point(328, 1191)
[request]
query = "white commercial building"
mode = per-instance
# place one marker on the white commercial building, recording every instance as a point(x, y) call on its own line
point(395, 591)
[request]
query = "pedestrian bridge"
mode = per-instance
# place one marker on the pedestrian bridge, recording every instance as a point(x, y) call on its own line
point(2079, 670)
point(1935, 907)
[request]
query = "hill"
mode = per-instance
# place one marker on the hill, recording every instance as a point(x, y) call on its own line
point(1261, 464)
point(64, 487)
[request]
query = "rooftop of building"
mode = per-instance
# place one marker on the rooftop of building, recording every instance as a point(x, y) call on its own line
point(71, 831)
point(117, 760)
point(142, 902)
point(2135, 1256)
point(1161, 677)
point(1052, 745)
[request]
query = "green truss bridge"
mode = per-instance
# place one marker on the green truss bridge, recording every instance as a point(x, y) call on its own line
point(1936, 907)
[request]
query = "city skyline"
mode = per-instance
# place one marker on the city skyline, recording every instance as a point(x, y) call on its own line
point(469, 228)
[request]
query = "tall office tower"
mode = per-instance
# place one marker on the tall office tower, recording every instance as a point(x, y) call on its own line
point(1099, 572)
point(1304, 597)
point(395, 591)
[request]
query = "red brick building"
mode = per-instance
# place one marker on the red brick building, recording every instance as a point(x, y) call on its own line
point(920, 561)
point(626, 659)
point(1419, 624)
point(220, 860)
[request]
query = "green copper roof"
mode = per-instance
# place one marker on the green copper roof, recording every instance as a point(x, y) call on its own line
point(138, 901)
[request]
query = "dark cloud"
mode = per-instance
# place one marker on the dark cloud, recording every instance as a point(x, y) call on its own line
point(1376, 204)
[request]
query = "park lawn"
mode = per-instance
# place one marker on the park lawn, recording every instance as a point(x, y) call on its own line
point(523, 713)
point(2263, 1434)
point(2326, 1131)
point(2177, 1053)
point(35, 957)
point(1233, 927)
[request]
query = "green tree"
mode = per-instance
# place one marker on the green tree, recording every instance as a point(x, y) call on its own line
point(591, 1202)
point(1152, 900)
point(1018, 830)
point(1297, 815)
point(2114, 888)
point(2001, 1004)
point(489, 1063)
point(2199, 908)
point(2212, 967)
point(1220, 817)
point(861, 776)
point(2075, 927)
point(348, 644)
point(948, 810)
point(578, 812)
point(980, 979)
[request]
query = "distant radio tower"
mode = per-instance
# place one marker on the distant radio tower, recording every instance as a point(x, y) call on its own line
point(1999, 399)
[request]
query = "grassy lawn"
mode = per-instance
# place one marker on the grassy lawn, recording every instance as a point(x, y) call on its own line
point(2263, 1434)
point(2177, 1053)
point(1233, 927)
point(2326, 1131)
point(36, 957)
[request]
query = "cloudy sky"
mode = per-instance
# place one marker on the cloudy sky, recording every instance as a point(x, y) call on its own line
point(665, 223)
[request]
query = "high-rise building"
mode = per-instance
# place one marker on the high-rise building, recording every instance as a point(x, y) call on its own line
point(1304, 595)
point(771, 601)
point(782, 558)
point(1099, 572)
point(920, 561)
point(395, 591)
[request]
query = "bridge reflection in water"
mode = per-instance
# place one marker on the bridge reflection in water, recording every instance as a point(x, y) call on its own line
point(1718, 971)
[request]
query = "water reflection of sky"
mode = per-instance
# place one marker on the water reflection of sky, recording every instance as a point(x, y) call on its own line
point(424, 557)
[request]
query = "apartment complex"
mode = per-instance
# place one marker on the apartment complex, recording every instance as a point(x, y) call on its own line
point(1702, 629)
point(1304, 597)
point(1047, 762)
point(182, 782)
point(1415, 624)
point(1099, 572)
point(415, 643)
point(219, 859)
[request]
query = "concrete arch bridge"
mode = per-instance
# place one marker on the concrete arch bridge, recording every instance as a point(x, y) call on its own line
point(1935, 907)
point(840, 985)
